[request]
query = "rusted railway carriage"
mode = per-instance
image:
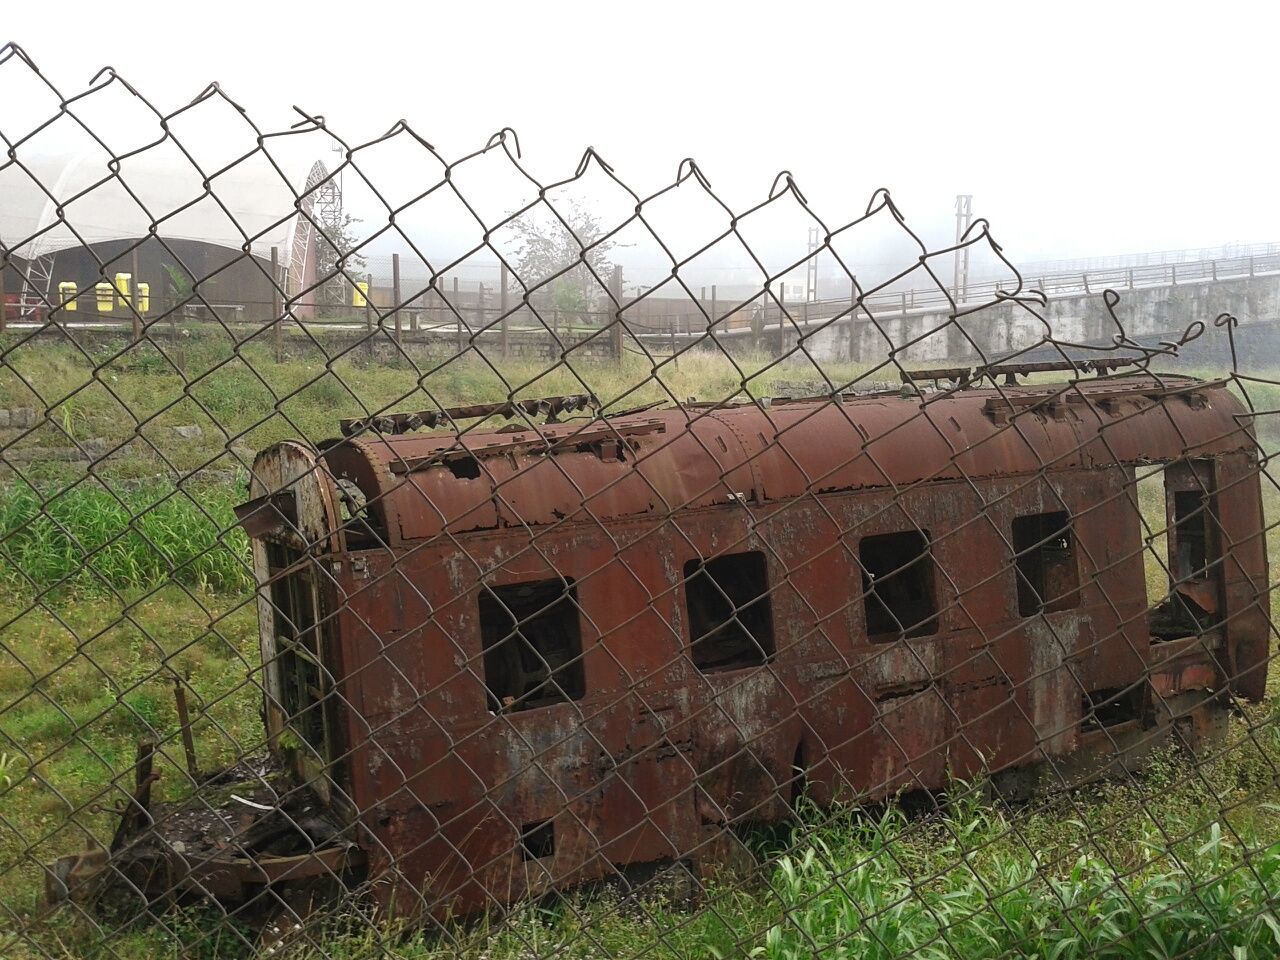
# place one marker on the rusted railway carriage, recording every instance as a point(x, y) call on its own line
point(499, 662)
point(521, 659)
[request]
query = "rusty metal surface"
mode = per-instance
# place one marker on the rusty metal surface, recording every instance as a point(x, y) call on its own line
point(274, 512)
point(655, 759)
point(1011, 371)
point(684, 460)
point(397, 423)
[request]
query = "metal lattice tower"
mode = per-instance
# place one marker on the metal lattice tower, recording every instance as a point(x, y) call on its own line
point(37, 285)
point(331, 222)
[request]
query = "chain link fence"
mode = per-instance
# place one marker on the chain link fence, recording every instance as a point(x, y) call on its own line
point(534, 624)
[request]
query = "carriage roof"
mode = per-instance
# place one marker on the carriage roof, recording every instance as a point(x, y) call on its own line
point(650, 463)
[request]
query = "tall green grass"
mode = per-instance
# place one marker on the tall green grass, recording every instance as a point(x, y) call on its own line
point(89, 539)
point(969, 882)
point(847, 895)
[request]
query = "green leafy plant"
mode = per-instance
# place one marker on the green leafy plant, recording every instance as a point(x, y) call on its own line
point(91, 540)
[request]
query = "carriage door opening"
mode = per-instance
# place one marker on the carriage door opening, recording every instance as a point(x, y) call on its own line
point(1182, 559)
point(300, 679)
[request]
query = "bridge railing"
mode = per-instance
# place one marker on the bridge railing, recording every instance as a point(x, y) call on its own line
point(1052, 285)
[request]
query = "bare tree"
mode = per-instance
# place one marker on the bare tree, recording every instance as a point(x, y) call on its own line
point(574, 263)
point(336, 244)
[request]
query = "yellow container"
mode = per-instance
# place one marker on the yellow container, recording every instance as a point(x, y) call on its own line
point(67, 293)
point(106, 296)
point(360, 294)
point(122, 287)
point(144, 297)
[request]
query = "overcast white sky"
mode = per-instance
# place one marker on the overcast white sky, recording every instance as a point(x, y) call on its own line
point(1081, 129)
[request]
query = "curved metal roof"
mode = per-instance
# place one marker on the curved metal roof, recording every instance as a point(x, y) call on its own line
point(651, 463)
point(55, 202)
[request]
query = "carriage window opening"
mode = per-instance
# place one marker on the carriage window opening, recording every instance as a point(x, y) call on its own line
point(1154, 530)
point(1045, 560)
point(1183, 572)
point(537, 840)
point(898, 586)
point(532, 640)
point(730, 615)
point(297, 652)
point(1190, 535)
point(1110, 707)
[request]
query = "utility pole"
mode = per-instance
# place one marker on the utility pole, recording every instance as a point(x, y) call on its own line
point(503, 307)
point(615, 291)
point(277, 310)
point(395, 293)
point(964, 217)
point(368, 312)
point(811, 267)
point(133, 296)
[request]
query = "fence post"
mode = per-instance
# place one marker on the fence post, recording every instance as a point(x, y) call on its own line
point(438, 310)
point(715, 305)
point(395, 293)
point(615, 290)
point(368, 312)
point(456, 309)
point(133, 296)
point(502, 306)
point(277, 332)
point(782, 312)
point(758, 319)
point(480, 306)
point(855, 353)
point(1173, 274)
point(4, 304)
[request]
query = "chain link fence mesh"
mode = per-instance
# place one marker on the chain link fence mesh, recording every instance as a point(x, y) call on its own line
point(518, 608)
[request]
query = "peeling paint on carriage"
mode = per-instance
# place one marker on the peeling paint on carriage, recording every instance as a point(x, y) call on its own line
point(616, 747)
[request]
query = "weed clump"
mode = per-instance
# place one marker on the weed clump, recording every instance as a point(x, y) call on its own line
point(89, 539)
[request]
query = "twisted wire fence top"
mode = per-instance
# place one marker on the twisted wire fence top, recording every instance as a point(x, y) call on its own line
point(611, 573)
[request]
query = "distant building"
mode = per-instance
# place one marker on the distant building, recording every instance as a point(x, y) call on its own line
point(73, 220)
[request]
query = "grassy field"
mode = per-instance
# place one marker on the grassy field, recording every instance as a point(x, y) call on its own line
point(246, 400)
point(1180, 862)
